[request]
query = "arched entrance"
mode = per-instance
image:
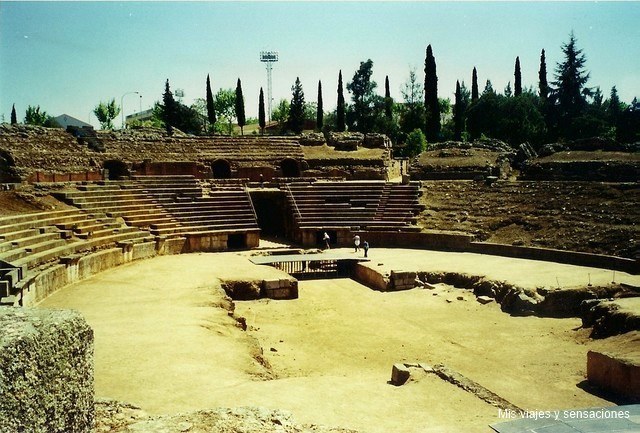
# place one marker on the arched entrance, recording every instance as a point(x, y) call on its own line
point(117, 169)
point(221, 169)
point(290, 168)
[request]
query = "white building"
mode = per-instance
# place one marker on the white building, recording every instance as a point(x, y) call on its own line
point(65, 120)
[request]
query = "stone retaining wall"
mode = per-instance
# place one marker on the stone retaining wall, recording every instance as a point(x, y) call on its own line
point(614, 374)
point(46, 371)
point(464, 243)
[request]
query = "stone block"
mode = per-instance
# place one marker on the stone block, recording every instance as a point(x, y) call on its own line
point(484, 299)
point(46, 371)
point(270, 284)
point(615, 374)
point(399, 374)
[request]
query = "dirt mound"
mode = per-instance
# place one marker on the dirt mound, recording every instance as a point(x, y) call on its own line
point(598, 166)
point(117, 417)
point(580, 216)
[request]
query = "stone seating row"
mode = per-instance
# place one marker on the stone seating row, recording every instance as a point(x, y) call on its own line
point(31, 240)
point(366, 205)
point(118, 199)
point(226, 209)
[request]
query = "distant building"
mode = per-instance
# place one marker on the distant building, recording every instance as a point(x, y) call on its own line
point(141, 116)
point(65, 120)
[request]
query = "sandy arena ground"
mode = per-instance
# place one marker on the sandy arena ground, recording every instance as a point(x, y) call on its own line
point(164, 341)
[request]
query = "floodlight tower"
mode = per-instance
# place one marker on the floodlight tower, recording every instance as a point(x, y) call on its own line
point(269, 57)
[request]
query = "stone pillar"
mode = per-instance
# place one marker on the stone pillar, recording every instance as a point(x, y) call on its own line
point(46, 371)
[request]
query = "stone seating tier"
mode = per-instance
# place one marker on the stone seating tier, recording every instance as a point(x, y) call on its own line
point(368, 205)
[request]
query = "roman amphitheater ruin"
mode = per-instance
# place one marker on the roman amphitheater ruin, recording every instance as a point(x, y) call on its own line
point(175, 283)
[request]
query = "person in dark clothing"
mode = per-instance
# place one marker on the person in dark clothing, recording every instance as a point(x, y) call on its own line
point(365, 247)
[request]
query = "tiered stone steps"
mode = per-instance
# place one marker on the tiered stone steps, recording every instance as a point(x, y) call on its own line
point(31, 240)
point(363, 205)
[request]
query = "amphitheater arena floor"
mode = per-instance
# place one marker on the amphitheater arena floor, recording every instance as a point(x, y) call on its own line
point(164, 341)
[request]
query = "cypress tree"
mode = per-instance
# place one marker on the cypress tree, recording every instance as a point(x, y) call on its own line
point(340, 118)
point(388, 102)
point(517, 83)
point(170, 109)
point(240, 107)
point(543, 86)
point(458, 113)
point(474, 85)
point(211, 111)
point(14, 117)
point(320, 112)
point(432, 107)
point(296, 108)
point(261, 115)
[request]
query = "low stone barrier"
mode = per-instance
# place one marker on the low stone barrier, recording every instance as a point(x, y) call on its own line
point(370, 277)
point(280, 289)
point(402, 280)
point(46, 371)
point(614, 374)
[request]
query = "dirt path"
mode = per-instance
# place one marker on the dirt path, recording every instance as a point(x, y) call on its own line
point(165, 342)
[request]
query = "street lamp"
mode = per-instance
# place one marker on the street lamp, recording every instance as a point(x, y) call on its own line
point(121, 104)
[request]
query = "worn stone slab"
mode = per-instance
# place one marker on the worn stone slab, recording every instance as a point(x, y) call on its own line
point(484, 299)
point(399, 374)
point(46, 371)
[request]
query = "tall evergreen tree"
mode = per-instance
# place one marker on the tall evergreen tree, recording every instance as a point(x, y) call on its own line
point(296, 108)
point(211, 110)
point(458, 114)
point(240, 107)
point(488, 88)
point(340, 110)
point(320, 109)
point(507, 90)
point(14, 117)
point(543, 86)
point(517, 81)
point(261, 115)
point(388, 102)
point(614, 109)
point(474, 85)
point(571, 80)
point(169, 109)
point(432, 108)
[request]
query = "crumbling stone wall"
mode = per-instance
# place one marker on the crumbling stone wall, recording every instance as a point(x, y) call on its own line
point(46, 371)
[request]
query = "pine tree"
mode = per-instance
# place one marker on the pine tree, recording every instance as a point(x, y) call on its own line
point(388, 102)
point(474, 85)
point(543, 87)
point(571, 80)
point(432, 108)
point(488, 88)
point(14, 118)
point(211, 111)
point(458, 114)
point(340, 110)
point(320, 109)
point(170, 108)
point(296, 108)
point(261, 115)
point(240, 107)
point(517, 83)
point(507, 90)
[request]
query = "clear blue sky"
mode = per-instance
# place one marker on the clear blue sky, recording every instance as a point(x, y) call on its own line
point(68, 56)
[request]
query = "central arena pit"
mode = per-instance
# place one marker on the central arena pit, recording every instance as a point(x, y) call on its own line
point(166, 340)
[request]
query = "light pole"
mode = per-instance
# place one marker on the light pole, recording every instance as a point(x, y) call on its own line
point(122, 107)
